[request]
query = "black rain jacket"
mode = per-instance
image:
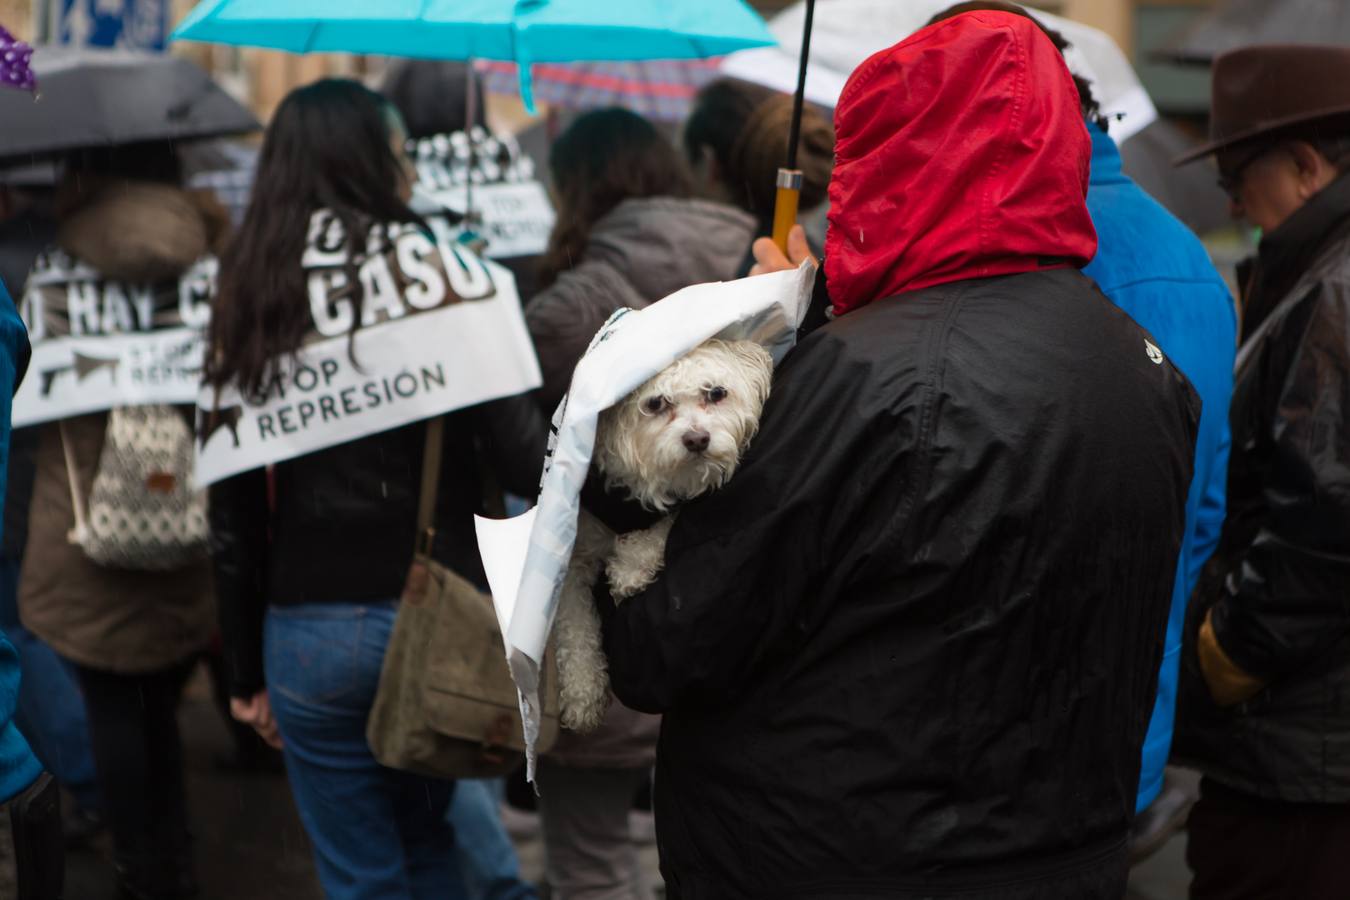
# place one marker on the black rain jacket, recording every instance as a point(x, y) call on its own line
point(911, 649)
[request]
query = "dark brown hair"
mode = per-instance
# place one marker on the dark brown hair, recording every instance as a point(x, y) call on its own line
point(328, 146)
point(745, 127)
point(431, 95)
point(600, 160)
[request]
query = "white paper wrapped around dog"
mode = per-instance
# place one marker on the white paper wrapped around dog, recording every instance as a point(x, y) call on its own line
point(631, 348)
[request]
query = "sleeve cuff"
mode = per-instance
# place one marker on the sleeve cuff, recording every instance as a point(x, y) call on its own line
point(245, 677)
point(1228, 684)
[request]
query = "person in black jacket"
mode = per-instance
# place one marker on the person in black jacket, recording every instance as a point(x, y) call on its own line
point(911, 649)
point(1266, 668)
point(309, 567)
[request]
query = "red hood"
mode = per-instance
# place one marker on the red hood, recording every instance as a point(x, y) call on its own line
point(959, 153)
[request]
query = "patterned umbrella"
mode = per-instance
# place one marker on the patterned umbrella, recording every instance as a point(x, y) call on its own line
point(660, 89)
point(15, 56)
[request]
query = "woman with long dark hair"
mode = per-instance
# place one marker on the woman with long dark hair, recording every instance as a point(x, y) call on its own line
point(309, 568)
point(628, 233)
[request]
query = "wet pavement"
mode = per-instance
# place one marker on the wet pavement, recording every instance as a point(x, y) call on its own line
point(249, 844)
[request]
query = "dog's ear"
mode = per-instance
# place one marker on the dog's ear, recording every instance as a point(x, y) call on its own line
point(755, 365)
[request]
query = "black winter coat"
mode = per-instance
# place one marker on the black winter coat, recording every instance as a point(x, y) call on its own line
point(1278, 586)
point(911, 649)
point(342, 525)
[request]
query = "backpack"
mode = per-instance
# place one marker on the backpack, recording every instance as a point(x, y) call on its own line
point(144, 512)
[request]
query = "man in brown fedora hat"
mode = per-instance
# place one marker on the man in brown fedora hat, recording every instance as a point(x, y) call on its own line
point(1264, 710)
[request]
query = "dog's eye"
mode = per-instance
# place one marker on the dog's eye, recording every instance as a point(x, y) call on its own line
point(717, 394)
point(654, 405)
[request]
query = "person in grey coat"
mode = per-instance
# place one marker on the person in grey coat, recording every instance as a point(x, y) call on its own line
point(628, 234)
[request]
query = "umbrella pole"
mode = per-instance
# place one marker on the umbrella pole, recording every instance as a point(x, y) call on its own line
point(469, 234)
point(470, 113)
point(789, 182)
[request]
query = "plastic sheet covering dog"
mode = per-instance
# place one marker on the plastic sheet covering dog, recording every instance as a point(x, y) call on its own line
point(527, 558)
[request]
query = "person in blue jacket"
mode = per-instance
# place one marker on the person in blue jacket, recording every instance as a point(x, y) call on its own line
point(18, 767)
point(1155, 269)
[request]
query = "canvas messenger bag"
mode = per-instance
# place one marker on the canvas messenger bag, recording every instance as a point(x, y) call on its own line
point(446, 706)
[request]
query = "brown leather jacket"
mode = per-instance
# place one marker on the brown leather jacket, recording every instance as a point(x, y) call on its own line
point(1266, 665)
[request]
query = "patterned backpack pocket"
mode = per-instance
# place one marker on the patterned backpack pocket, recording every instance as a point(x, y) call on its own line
point(144, 512)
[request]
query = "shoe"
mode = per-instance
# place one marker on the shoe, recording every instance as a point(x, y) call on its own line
point(1156, 823)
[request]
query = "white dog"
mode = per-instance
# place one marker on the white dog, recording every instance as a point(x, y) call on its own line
point(679, 435)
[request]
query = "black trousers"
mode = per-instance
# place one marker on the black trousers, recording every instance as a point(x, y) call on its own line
point(138, 758)
point(1241, 847)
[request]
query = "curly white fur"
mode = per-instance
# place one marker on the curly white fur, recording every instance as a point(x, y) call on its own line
point(679, 435)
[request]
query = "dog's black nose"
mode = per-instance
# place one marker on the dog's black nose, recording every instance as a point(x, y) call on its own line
point(696, 440)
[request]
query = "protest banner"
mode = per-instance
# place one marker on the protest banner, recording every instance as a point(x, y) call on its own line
point(491, 172)
point(99, 343)
point(526, 558)
point(436, 329)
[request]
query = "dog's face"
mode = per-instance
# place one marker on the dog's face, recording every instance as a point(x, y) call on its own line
point(683, 432)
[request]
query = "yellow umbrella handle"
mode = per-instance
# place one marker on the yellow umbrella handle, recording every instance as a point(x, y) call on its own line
point(785, 205)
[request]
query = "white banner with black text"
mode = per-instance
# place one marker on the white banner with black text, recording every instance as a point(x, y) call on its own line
point(99, 343)
point(440, 329)
point(489, 173)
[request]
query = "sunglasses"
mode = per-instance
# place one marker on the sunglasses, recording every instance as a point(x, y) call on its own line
point(1230, 178)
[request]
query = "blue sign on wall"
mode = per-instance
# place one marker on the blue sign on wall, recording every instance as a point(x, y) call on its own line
point(132, 24)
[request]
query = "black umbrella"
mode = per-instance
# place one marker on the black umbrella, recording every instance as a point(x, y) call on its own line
point(99, 98)
point(790, 177)
point(1238, 23)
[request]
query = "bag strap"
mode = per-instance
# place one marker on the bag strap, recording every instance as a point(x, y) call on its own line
point(431, 480)
point(77, 501)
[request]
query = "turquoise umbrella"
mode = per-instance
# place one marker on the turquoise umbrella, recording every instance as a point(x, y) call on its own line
point(520, 31)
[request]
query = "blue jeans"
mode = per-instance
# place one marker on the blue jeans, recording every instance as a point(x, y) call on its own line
point(378, 834)
point(50, 712)
point(483, 851)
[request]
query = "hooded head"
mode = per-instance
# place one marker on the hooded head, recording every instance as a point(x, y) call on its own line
point(960, 153)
